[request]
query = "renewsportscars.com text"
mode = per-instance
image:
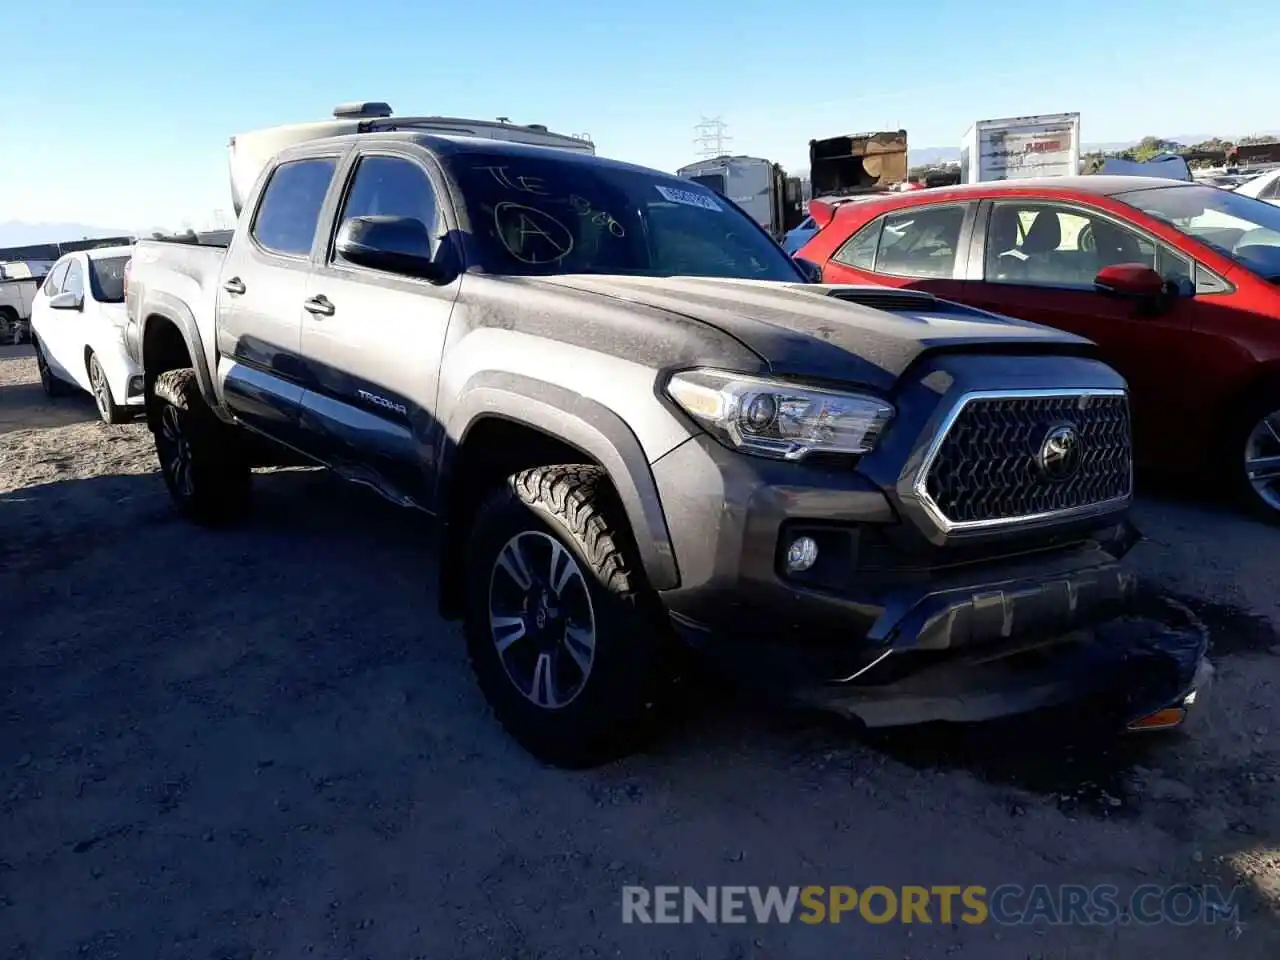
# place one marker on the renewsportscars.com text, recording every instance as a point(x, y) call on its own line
point(1007, 904)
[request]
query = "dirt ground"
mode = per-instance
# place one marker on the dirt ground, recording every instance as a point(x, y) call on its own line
point(263, 743)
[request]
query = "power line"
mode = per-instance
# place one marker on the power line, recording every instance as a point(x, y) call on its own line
point(711, 138)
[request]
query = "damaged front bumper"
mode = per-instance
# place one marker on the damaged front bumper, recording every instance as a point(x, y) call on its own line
point(1142, 673)
point(967, 652)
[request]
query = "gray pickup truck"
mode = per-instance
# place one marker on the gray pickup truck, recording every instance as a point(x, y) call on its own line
point(641, 428)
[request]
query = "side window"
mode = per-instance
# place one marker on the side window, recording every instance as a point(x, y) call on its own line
point(1049, 245)
point(75, 279)
point(920, 242)
point(391, 187)
point(57, 276)
point(290, 207)
point(1271, 191)
point(859, 251)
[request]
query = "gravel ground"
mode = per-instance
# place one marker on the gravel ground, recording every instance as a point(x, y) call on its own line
point(263, 743)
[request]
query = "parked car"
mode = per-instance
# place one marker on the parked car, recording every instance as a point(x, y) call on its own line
point(1178, 284)
point(799, 235)
point(17, 289)
point(638, 425)
point(78, 322)
point(1265, 186)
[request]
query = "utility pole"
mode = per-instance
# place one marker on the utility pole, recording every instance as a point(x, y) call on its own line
point(711, 138)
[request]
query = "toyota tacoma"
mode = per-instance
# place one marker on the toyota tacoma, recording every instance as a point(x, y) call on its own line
point(641, 428)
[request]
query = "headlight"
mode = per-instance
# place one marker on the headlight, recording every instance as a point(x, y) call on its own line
point(774, 418)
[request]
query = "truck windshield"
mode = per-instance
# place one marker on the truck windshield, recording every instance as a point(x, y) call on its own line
point(106, 279)
point(538, 217)
point(1245, 229)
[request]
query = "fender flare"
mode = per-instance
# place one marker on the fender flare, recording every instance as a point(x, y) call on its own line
point(582, 423)
point(168, 307)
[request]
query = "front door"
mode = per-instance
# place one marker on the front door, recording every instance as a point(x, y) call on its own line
point(372, 342)
point(1039, 262)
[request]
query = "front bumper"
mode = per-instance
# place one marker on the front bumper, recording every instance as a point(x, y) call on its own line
point(893, 627)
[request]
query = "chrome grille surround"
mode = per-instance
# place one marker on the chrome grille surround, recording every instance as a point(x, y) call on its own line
point(981, 470)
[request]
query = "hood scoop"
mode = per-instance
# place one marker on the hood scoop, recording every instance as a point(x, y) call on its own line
point(883, 298)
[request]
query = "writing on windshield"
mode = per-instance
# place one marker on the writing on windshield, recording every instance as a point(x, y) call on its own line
point(538, 217)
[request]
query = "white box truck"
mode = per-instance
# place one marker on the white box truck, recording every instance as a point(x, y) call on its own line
point(1047, 145)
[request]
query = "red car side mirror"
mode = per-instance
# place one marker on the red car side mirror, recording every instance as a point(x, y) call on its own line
point(1134, 280)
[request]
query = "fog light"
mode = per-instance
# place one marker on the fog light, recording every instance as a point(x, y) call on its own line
point(135, 386)
point(802, 554)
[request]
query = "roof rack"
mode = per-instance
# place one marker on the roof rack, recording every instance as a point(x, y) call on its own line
point(387, 124)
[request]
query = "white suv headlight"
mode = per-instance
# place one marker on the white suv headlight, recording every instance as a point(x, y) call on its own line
point(778, 419)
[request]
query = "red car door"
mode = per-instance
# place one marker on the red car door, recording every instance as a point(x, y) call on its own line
point(914, 247)
point(1038, 263)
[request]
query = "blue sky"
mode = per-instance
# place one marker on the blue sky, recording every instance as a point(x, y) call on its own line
point(120, 116)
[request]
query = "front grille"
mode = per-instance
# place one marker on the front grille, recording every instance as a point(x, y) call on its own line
point(990, 467)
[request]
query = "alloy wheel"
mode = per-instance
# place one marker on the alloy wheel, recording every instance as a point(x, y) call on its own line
point(1262, 459)
point(541, 619)
point(175, 452)
point(101, 392)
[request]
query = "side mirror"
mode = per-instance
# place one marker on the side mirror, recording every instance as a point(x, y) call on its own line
point(66, 301)
point(811, 271)
point(395, 244)
point(1132, 280)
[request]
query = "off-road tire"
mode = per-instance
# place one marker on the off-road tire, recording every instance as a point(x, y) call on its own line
point(621, 699)
point(110, 411)
point(212, 487)
point(50, 382)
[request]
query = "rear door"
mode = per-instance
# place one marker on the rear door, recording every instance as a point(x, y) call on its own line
point(373, 341)
point(263, 285)
point(920, 247)
point(43, 320)
point(1036, 260)
point(62, 331)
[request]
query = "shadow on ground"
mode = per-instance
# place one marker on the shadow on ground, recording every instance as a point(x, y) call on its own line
point(24, 406)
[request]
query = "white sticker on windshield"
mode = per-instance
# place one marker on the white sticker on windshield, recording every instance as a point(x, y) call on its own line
point(690, 198)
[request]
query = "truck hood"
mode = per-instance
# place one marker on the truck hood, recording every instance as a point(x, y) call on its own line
point(867, 335)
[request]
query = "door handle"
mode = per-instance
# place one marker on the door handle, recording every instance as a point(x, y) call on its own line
point(318, 306)
point(234, 286)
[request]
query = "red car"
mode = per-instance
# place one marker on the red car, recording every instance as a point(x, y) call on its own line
point(1177, 283)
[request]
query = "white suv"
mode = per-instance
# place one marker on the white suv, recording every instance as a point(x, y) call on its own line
point(78, 325)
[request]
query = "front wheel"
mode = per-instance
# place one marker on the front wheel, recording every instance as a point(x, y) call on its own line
point(1258, 466)
point(108, 409)
point(562, 632)
point(202, 460)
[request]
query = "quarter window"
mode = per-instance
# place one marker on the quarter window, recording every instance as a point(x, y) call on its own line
point(75, 279)
point(290, 208)
point(53, 286)
point(391, 186)
point(859, 251)
point(920, 242)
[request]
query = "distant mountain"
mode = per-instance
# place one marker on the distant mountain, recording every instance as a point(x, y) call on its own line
point(16, 233)
point(927, 156)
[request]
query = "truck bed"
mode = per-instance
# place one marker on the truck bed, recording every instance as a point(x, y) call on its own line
point(186, 271)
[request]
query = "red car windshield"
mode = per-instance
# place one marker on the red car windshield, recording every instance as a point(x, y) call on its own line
point(1244, 229)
